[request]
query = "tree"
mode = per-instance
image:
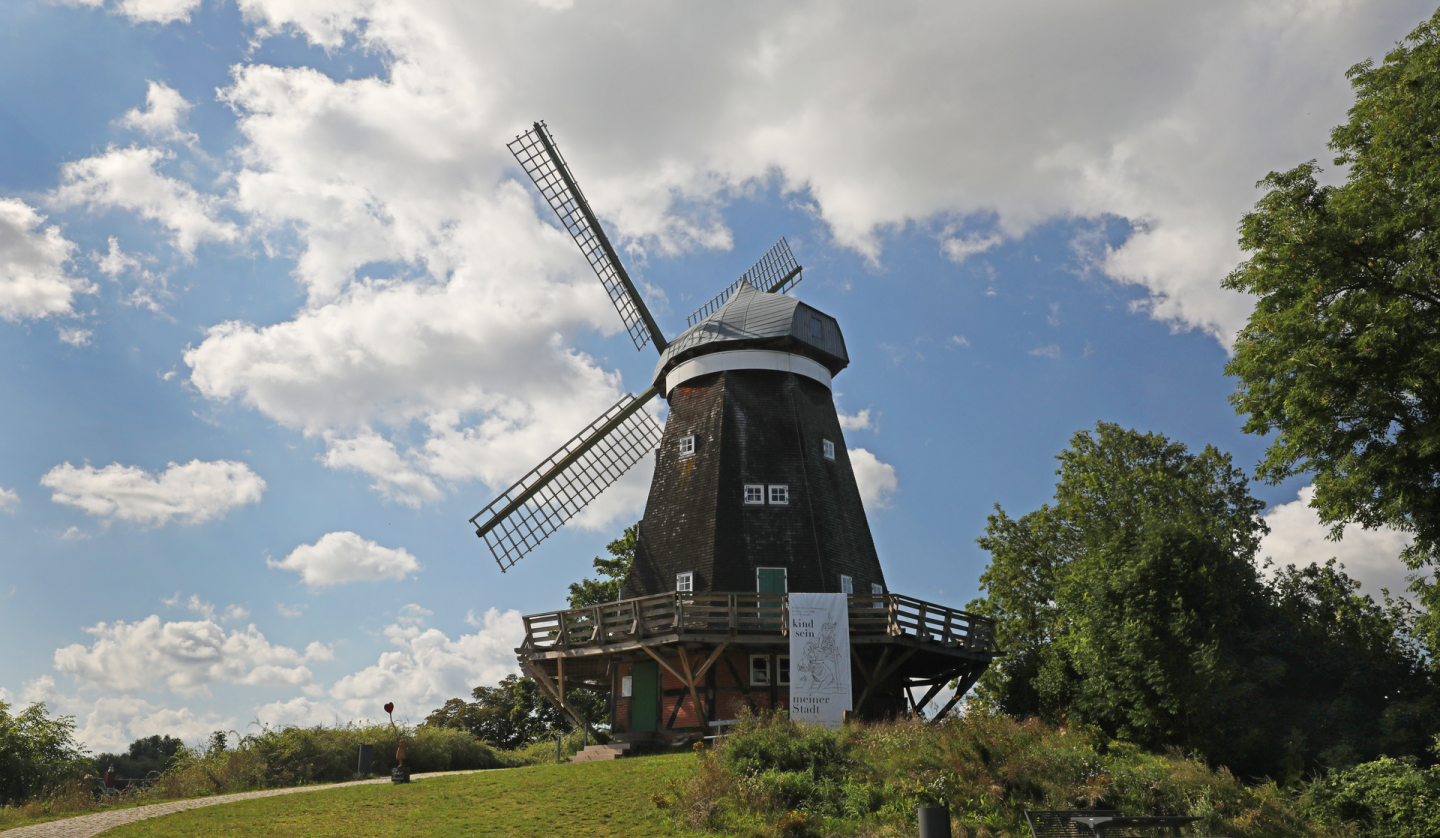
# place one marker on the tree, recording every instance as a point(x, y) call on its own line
point(37, 752)
point(1342, 353)
point(514, 713)
point(147, 755)
point(1134, 604)
point(614, 570)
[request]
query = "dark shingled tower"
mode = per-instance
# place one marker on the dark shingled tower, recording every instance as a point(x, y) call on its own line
point(750, 387)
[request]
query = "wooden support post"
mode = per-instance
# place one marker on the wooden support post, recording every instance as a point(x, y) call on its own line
point(694, 695)
point(870, 677)
point(664, 663)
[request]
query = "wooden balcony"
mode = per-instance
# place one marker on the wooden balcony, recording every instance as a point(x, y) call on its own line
point(748, 618)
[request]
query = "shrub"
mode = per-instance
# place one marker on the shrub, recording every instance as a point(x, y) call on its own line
point(37, 753)
point(1387, 798)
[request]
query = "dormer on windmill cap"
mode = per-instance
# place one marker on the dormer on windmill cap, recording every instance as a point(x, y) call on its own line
point(755, 319)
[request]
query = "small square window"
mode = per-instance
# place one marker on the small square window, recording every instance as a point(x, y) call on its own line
point(759, 671)
point(685, 581)
point(847, 584)
point(829, 450)
point(779, 494)
point(687, 446)
point(754, 493)
point(784, 667)
point(817, 329)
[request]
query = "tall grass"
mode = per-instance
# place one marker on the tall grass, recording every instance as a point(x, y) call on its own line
point(279, 757)
point(774, 777)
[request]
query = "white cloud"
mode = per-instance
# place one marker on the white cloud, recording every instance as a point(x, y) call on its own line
point(110, 723)
point(33, 278)
point(234, 612)
point(1372, 556)
point(428, 668)
point(156, 11)
point(187, 657)
point(1050, 350)
point(74, 534)
point(346, 557)
point(206, 610)
point(76, 336)
point(128, 179)
point(876, 479)
point(957, 341)
point(195, 492)
point(9, 499)
point(857, 422)
point(369, 453)
point(959, 249)
point(287, 610)
point(165, 110)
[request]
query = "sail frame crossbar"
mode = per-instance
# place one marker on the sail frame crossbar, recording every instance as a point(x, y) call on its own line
point(776, 272)
point(553, 492)
point(539, 156)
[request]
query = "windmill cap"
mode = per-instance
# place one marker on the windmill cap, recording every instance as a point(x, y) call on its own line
point(755, 319)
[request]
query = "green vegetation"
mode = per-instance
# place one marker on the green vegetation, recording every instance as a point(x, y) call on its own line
point(515, 714)
point(149, 755)
point(614, 571)
point(1342, 352)
point(590, 799)
point(775, 778)
point(1134, 604)
point(38, 753)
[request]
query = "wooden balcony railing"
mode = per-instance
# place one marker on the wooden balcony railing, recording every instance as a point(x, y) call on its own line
point(740, 615)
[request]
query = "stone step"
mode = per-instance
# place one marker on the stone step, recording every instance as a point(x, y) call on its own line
point(596, 753)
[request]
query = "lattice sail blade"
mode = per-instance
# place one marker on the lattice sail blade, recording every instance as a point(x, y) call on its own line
point(539, 156)
point(776, 272)
point(554, 491)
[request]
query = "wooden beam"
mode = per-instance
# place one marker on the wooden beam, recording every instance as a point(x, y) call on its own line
point(664, 663)
point(700, 713)
point(870, 679)
point(715, 655)
point(859, 664)
point(553, 693)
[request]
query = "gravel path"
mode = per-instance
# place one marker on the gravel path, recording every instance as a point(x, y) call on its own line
point(85, 826)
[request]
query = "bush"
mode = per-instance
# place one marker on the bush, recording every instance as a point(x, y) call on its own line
point(988, 768)
point(37, 753)
point(1387, 798)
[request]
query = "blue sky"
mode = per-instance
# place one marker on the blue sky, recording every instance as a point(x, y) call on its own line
point(279, 312)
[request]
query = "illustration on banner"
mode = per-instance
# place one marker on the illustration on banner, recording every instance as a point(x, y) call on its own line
point(820, 662)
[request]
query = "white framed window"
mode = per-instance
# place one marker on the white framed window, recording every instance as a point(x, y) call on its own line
point(625, 686)
point(847, 584)
point(829, 450)
point(754, 493)
point(685, 582)
point(779, 494)
point(877, 589)
point(687, 446)
point(783, 670)
point(759, 670)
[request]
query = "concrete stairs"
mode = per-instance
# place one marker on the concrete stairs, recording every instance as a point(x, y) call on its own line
point(602, 753)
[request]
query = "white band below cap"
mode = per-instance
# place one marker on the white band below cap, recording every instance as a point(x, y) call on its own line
point(745, 359)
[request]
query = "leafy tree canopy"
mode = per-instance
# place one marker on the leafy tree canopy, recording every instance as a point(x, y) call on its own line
point(37, 752)
point(1134, 603)
point(514, 713)
point(1342, 353)
point(613, 571)
point(147, 755)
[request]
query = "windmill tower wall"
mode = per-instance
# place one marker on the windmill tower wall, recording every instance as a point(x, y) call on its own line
point(753, 427)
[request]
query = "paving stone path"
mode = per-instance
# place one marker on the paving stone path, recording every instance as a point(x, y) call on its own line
point(85, 826)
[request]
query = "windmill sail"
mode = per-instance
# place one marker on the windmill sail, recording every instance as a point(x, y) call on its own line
point(776, 272)
point(554, 491)
point(540, 158)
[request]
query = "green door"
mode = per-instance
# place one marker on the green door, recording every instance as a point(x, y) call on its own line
point(770, 580)
point(644, 690)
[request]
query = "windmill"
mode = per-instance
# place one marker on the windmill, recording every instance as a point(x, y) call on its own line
point(753, 497)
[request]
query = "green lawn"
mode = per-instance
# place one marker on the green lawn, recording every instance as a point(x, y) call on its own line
point(594, 798)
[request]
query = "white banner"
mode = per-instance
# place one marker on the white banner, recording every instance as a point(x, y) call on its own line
point(819, 658)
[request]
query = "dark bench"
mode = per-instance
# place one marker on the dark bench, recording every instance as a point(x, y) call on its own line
point(1055, 823)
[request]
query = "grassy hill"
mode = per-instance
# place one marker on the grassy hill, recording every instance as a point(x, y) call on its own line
point(592, 799)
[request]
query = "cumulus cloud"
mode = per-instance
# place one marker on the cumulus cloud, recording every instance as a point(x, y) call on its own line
point(346, 557)
point(128, 179)
point(206, 610)
point(856, 422)
point(9, 499)
point(194, 492)
point(428, 667)
point(187, 657)
point(110, 723)
point(164, 111)
point(34, 281)
point(1372, 556)
point(876, 479)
